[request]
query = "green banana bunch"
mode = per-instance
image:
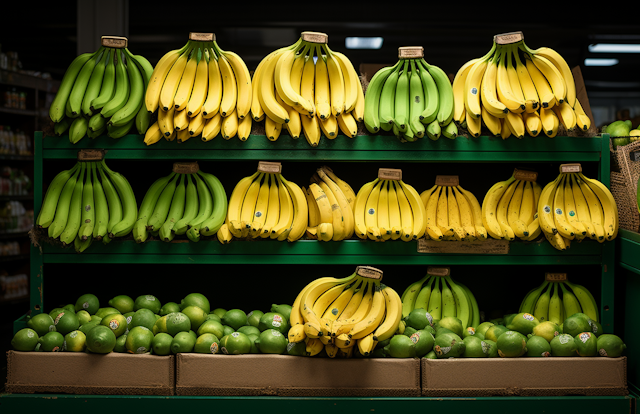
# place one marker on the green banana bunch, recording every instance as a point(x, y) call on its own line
point(102, 92)
point(412, 98)
point(191, 203)
point(87, 202)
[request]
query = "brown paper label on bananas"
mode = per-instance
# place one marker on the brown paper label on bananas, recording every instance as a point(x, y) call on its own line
point(555, 277)
point(116, 42)
point(447, 180)
point(270, 167)
point(525, 175)
point(315, 37)
point(186, 167)
point(570, 168)
point(202, 37)
point(369, 272)
point(410, 52)
point(438, 271)
point(465, 247)
point(389, 174)
point(508, 38)
point(91, 154)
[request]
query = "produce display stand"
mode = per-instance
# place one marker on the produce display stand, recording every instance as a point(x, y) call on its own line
point(353, 252)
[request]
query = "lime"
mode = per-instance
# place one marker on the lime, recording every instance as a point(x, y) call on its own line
point(139, 340)
point(431, 355)
point(70, 308)
point(207, 344)
point(25, 339)
point(116, 322)
point(418, 319)
point(253, 317)
point(87, 302)
point(41, 323)
point(143, 317)
point(161, 344)
point(494, 332)
point(219, 311)
point(401, 346)
point(227, 330)
point(121, 344)
point(55, 312)
point(610, 345)
point(102, 312)
point(101, 340)
point(273, 320)
point(475, 347)
point(213, 317)
point(283, 309)
point(424, 342)
point(123, 303)
point(523, 323)
point(183, 342)
point(213, 327)
point(147, 302)
point(177, 322)
point(538, 346)
point(576, 324)
point(253, 338)
point(452, 323)
point(83, 317)
point(235, 318)
point(272, 341)
point(408, 331)
point(618, 129)
point(596, 328)
point(586, 344)
point(507, 319)
point(296, 348)
point(95, 318)
point(75, 341)
point(196, 315)
point(547, 329)
point(449, 345)
point(51, 342)
point(66, 322)
point(235, 344)
point(248, 330)
point(469, 331)
point(482, 328)
point(168, 308)
point(511, 344)
point(491, 348)
point(85, 328)
point(563, 345)
point(160, 325)
point(196, 299)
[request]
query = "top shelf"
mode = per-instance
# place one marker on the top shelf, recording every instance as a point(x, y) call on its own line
point(22, 80)
point(361, 148)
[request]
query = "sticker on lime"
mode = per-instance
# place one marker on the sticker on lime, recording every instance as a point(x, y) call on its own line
point(528, 316)
point(141, 350)
point(235, 334)
point(290, 345)
point(85, 305)
point(276, 323)
point(224, 350)
point(429, 318)
point(214, 348)
point(275, 333)
point(113, 324)
point(485, 347)
point(150, 298)
point(584, 337)
point(415, 338)
point(73, 334)
point(602, 352)
point(564, 339)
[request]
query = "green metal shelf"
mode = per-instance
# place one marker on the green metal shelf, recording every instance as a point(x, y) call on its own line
point(98, 404)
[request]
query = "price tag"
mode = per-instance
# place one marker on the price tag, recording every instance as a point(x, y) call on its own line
point(508, 38)
point(270, 167)
point(463, 247)
point(447, 180)
point(116, 42)
point(91, 154)
point(570, 168)
point(315, 37)
point(438, 271)
point(410, 52)
point(555, 277)
point(369, 272)
point(186, 167)
point(525, 175)
point(389, 174)
point(202, 37)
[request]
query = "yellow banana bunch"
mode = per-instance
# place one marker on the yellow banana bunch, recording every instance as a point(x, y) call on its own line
point(452, 213)
point(199, 90)
point(514, 90)
point(266, 205)
point(576, 207)
point(344, 314)
point(510, 209)
point(308, 89)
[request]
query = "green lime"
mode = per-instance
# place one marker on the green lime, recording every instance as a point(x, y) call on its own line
point(183, 342)
point(85, 328)
point(220, 312)
point(213, 317)
point(538, 346)
point(211, 326)
point(87, 302)
point(168, 308)
point(42, 323)
point(418, 319)
point(401, 346)
point(523, 323)
point(547, 329)
point(160, 325)
point(147, 302)
point(51, 342)
point(235, 318)
point(249, 329)
point(102, 312)
point(83, 317)
point(449, 345)
point(254, 348)
point(494, 332)
point(121, 344)
point(143, 317)
point(563, 345)
point(101, 340)
point(453, 324)
point(196, 315)
point(236, 343)
point(283, 309)
point(424, 341)
point(491, 348)
point(610, 345)
point(139, 340)
point(272, 341)
point(475, 347)
point(69, 307)
point(253, 317)
point(161, 344)
point(596, 328)
point(273, 320)
point(116, 322)
point(95, 318)
point(512, 344)
point(207, 344)
point(576, 324)
point(586, 344)
point(482, 328)
point(296, 348)
point(66, 322)
point(75, 341)
point(123, 303)
point(55, 312)
point(431, 355)
point(177, 322)
point(507, 319)
point(25, 339)
point(227, 330)
point(469, 331)
point(196, 299)
point(408, 331)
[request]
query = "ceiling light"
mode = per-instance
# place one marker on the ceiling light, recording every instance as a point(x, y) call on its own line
point(363, 42)
point(614, 48)
point(600, 62)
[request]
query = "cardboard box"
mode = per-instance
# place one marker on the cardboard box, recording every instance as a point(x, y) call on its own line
point(282, 375)
point(482, 377)
point(82, 373)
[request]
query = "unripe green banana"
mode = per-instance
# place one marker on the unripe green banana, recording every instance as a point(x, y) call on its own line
point(450, 131)
point(107, 89)
point(205, 200)
point(434, 130)
point(59, 104)
point(129, 204)
point(175, 211)
point(435, 301)
point(61, 127)
point(410, 295)
point(431, 103)
point(50, 201)
point(151, 198)
point(210, 226)
point(161, 209)
point(445, 94)
point(401, 102)
point(448, 302)
point(115, 205)
point(62, 206)
point(416, 102)
point(422, 301)
point(95, 83)
point(135, 98)
point(97, 122)
point(121, 92)
point(101, 208)
point(70, 231)
point(372, 99)
point(120, 130)
point(82, 81)
point(88, 212)
point(78, 129)
point(388, 98)
point(190, 208)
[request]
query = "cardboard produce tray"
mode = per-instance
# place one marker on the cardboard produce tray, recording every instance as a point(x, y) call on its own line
point(554, 376)
point(282, 375)
point(83, 373)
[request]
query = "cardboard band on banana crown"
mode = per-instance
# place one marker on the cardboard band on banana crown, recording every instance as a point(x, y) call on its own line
point(202, 37)
point(116, 42)
point(508, 38)
point(410, 52)
point(438, 271)
point(369, 272)
point(447, 180)
point(525, 175)
point(571, 168)
point(555, 277)
point(390, 174)
point(315, 37)
point(186, 167)
point(91, 154)
point(270, 167)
